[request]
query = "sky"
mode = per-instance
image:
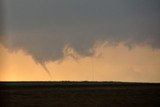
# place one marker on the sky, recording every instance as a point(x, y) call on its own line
point(80, 40)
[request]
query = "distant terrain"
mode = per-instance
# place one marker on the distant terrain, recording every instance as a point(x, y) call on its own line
point(79, 94)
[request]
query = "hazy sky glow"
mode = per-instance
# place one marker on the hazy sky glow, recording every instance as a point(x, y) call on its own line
point(103, 40)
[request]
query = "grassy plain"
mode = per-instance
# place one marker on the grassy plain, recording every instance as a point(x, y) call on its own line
point(79, 94)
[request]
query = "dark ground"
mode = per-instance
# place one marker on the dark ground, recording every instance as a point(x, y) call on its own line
point(79, 94)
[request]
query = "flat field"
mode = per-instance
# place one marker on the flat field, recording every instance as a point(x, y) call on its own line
point(79, 94)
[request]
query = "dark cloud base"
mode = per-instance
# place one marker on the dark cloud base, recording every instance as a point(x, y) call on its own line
point(43, 28)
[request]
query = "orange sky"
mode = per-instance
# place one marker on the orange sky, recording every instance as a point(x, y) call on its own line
point(109, 63)
point(63, 35)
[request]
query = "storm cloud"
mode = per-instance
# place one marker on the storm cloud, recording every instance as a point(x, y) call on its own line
point(43, 28)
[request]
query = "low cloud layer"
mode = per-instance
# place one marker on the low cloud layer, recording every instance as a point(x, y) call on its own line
point(43, 28)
